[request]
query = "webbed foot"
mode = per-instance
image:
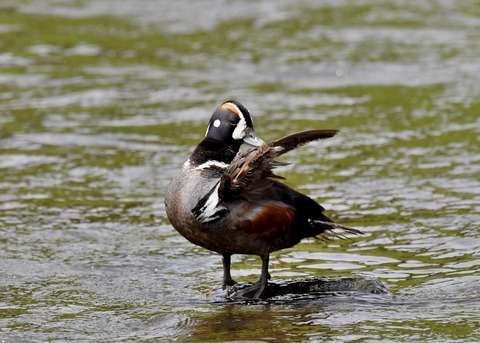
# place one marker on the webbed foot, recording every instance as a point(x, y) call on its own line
point(247, 291)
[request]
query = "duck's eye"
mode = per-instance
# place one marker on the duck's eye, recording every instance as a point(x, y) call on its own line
point(233, 122)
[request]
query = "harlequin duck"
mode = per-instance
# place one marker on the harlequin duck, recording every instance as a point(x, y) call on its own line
point(231, 202)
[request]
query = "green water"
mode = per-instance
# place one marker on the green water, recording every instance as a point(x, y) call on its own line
point(102, 101)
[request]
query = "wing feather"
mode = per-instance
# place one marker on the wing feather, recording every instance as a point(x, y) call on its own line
point(252, 166)
point(298, 139)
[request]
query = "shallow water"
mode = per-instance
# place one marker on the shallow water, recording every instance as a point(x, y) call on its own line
point(101, 102)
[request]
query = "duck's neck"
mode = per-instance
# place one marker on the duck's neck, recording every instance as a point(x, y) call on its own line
point(213, 150)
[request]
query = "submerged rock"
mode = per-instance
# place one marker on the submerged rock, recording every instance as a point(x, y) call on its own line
point(318, 286)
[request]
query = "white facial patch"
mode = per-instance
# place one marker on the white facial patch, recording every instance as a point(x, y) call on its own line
point(216, 123)
point(239, 132)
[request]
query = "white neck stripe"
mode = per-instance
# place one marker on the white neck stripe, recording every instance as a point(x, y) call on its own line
point(212, 164)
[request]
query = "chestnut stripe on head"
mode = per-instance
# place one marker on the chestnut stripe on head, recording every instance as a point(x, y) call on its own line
point(231, 107)
point(239, 132)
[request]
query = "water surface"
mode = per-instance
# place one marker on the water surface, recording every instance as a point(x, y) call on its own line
point(101, 102)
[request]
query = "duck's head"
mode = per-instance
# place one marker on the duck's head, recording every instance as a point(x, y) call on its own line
point(232, 124)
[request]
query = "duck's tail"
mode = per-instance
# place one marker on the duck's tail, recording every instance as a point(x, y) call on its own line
point(331, 230)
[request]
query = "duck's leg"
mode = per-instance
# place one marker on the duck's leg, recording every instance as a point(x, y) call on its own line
point(264, 277)
point(254, 291)
point(227, 277)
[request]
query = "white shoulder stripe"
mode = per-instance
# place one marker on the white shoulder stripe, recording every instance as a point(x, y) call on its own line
point(212, 209)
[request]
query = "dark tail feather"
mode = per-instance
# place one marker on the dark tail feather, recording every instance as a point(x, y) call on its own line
point(298, 139)
point(332, 230)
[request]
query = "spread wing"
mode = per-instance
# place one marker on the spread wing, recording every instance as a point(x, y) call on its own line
point(251, 171)
point(253, 166)
point(298, 139)
point(250, 176)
